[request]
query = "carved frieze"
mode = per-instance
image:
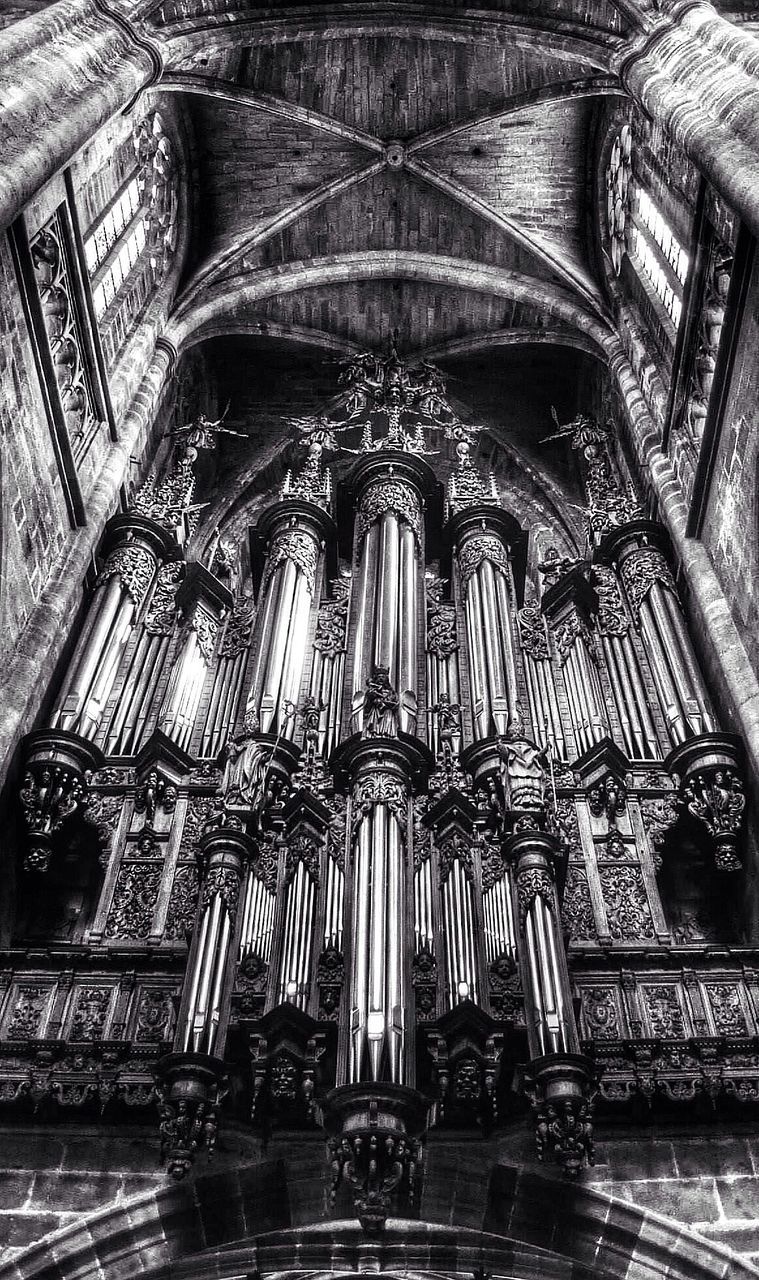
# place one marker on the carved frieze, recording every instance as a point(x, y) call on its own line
point(297, 547)
point(134, 566)
point(389, 495)
point(627, 907)
point(640, 571)
point(484, 546)
point(134, 900)
point(532, 632)
point(183, 902)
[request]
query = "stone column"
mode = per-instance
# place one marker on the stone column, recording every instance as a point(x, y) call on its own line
point(65, 72)
point(689, 73)
point(191, 1077)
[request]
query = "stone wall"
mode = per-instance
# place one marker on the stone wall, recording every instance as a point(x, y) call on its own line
point(35, 520)
point(731, 525)
point(705, 1180)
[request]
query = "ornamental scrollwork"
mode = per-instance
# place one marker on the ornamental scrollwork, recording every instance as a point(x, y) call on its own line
point(454, 849)
point(90, 1013)
point(664, 1012)
point(206, 628)
point(332, 619)
point(183, 902)
point(640, 572)
point(627, 908)
point(102, 813)
point(155, 1016)
point(600, 1012)
point(162, 610)
point(577, 908)
point(238, 629)
point(570, 630)
point(476, 550)
point(389, 496)
point(532, 632)
point(134, 901)
point(379, 787)
point(727, 1010)
point(532, 883)
point(659, 816)
point(441, 630)
point(224, 883)
point(612, 619)
point(134, 566)
point(300, 549)
point(302, 850)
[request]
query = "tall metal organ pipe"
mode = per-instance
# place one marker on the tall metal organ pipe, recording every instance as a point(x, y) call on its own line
point(389, 543)
point(138, 548)
point(295, 533)
point(653, 601)
point(488, 589)
point(202, 1023)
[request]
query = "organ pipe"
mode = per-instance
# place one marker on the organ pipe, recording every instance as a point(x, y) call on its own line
point(652, 599)
point(201, 1026)
point(138, 548)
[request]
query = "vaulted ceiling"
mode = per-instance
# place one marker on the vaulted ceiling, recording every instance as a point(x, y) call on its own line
point(409, 174)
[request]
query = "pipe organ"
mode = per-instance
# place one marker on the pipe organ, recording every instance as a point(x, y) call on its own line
point(403, 767)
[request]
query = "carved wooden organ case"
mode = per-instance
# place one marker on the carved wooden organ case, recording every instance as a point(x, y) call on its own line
point(396, 831)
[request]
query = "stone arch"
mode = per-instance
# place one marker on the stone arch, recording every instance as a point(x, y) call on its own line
point(269, 1217)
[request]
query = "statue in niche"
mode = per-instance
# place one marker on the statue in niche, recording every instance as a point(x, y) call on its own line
point(245, 767)
point(524, 770)
point(380, 705)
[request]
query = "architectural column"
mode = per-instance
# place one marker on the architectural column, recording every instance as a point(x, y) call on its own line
point(389, 492)
point(294, 532)
point(136, 548)
point(483, 537)
point(636, 550)
point(68, 68)
point(570, 606)
point(687, 73)
point(191, 1077)
point(559, 1077)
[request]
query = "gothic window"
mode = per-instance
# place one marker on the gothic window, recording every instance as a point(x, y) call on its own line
point(640, 233)
point(128, 248)
point(51, 275)
point(656, 250)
